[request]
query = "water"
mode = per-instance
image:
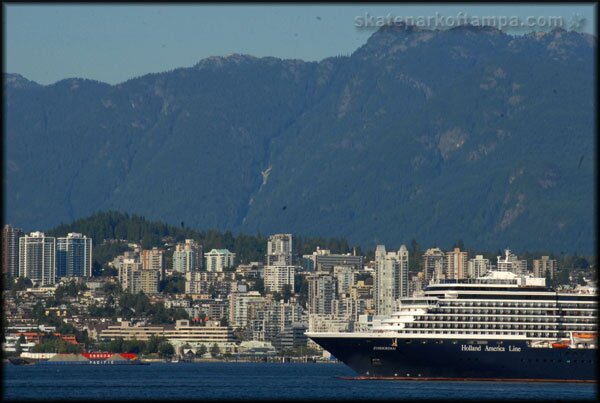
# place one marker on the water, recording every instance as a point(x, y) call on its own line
point(254, 381)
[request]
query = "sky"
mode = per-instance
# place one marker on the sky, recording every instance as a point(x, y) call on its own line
point(113, 43)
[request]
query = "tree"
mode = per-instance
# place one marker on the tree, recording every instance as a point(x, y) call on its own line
point(287, 292)
point(259, 285)
point(18, 346)
point(153, 343)
point(166, 349)
point(201, 350)
point(215, 350)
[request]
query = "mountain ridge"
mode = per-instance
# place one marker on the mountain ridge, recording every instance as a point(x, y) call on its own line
point(335, 146)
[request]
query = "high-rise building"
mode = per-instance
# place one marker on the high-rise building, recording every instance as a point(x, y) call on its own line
point(433, 263)
point(240, 304)
point(545, 266)
point(345, 276)
point(187, 256)
point(10, 250)
point(478, 266)
point(279, 250)
point(391, 278)
point(277, 277)
point(73, 256)
point(321, 293)
point(219, 259)
point(154, 259)
point(134, 278)
point(456, 264)
point(37, 259)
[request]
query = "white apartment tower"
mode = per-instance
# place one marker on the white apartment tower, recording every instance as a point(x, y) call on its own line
point(219, 259)
point(37, 259)
point(391, 278)
point(276, 277)
point(187, 256)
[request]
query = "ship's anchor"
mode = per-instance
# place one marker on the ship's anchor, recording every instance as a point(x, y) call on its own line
point(395, 343)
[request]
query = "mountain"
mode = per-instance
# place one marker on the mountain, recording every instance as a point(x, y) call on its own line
point(468, 133)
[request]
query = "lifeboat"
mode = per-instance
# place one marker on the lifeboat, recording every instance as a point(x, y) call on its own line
point(582, 337)
point(560, 345)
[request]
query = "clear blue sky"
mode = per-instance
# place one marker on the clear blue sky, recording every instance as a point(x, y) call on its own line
point(113, 43)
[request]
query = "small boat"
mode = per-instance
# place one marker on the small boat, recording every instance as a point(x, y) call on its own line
point(560, 345)
point(20, 361)
point(581, 337)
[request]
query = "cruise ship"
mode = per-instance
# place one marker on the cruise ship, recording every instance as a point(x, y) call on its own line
point(498, 327)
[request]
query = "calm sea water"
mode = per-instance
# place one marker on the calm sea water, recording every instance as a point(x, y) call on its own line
point(200, 381)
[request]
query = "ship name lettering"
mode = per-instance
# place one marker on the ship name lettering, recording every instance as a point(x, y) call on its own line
point(469, 347)
point(514, 348)
point(496, 348)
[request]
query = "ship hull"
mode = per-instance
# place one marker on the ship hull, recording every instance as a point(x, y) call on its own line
point(510, 360)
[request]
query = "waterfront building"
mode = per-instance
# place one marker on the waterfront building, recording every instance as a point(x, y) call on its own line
point(154, 259)
point(456, 264)
point(279, 250)
point(545, 267)
point(10, 249)
point(270, 318)
point(37, 259)
point(329, 324)
point(391, 278)
point(178, 334)
point(73, 256)
point(219, 259)
point(433, 264)
point(187, 256)
point(478, 266)
point(277, 277)
point(292, 337)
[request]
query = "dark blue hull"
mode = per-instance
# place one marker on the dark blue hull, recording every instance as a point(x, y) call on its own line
point(460, 359)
